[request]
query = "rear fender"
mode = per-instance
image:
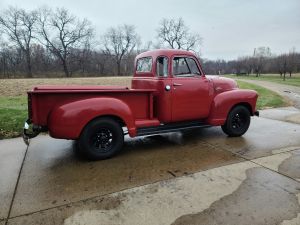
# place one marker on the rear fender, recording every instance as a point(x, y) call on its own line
point(224, 102)
point(67, 120)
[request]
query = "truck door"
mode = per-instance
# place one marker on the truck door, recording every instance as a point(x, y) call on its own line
point(190, 90)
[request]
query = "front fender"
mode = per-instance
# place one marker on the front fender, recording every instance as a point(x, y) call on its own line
point(225, 101)
point(67, 120)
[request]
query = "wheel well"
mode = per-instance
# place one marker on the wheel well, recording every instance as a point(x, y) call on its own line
point(116, 118)
point(247, 105)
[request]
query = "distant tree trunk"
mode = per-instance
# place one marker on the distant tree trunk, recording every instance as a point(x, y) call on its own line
point(119, 68)
point(284, 69)
point(66, 69)
point(28, 61)
point(290, 74)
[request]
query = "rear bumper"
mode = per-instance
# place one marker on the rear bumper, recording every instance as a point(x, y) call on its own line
point(27, 134)
point(256, 113)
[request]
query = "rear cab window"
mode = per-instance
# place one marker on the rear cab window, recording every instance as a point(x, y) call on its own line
point(144, 65)
point(185, 67)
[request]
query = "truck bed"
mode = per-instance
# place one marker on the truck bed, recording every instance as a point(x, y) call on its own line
point(83, 88)
point(43, 99)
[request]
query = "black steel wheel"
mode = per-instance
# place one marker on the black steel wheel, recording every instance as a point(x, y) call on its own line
point(238, 121)
point(102, 138)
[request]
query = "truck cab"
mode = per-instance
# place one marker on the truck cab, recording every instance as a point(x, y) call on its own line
point(183, 91)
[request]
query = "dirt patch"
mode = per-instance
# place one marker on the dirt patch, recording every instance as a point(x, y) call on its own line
point(18, 87)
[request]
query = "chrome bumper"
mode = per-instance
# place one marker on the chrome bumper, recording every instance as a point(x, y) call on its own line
point(27, 135)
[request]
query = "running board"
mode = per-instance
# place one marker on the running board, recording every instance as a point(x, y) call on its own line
point(173, 127)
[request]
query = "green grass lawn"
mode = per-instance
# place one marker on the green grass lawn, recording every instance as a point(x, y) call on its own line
point(294, 80)
point(13, 113)
point(267, 98)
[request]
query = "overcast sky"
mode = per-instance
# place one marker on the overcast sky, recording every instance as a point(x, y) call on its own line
point(229, 28)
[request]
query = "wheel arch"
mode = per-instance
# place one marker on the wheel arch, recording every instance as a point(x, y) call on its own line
point(68, 120)
point(224, 102)
point(118, 119)
point(246, 104)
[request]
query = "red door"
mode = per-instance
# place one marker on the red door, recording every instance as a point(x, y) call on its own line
point(190, 91)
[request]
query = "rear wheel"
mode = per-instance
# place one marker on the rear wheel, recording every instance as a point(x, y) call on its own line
point(237, 122)
point(101, 139)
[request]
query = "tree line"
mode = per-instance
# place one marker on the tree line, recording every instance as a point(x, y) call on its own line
point(48, 42)
point(262, 61)
point(54, 42)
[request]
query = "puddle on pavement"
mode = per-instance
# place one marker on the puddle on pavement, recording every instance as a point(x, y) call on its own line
point(264, 197)
point(291, 166)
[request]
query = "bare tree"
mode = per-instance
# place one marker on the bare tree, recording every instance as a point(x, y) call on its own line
point(291, 62)
point(177, 35)
point(119, 42)
point(281, 65)
point(18, 25)
point(247, 64)
point(61, 31)
point(259, 55)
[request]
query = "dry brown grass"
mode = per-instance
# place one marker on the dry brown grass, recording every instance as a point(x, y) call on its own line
point(19, 87)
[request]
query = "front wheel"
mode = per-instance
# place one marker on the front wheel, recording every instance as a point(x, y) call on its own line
point(101, 139)
point(237, 122)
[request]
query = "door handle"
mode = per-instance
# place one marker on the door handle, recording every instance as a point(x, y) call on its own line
point(176, 84)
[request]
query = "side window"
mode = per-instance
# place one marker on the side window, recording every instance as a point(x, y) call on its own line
point(185, 67)
point(162, 67)
point(193, 66)
point(180, 67)
point(144, 65)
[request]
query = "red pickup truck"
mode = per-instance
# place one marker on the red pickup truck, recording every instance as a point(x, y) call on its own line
point(169, 92)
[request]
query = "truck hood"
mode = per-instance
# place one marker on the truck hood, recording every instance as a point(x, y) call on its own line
point(222, 84)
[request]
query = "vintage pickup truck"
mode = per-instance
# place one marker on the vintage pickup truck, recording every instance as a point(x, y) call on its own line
point(169, 92)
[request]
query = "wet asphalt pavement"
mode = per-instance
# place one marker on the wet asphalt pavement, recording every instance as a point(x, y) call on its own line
point(195, 177)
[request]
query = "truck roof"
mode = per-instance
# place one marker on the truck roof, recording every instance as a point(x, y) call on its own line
point(164, 52)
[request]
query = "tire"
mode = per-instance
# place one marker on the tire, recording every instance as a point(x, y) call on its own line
point(237, 122)
point(102, 138)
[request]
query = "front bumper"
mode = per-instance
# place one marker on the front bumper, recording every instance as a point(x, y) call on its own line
point(27, 134)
